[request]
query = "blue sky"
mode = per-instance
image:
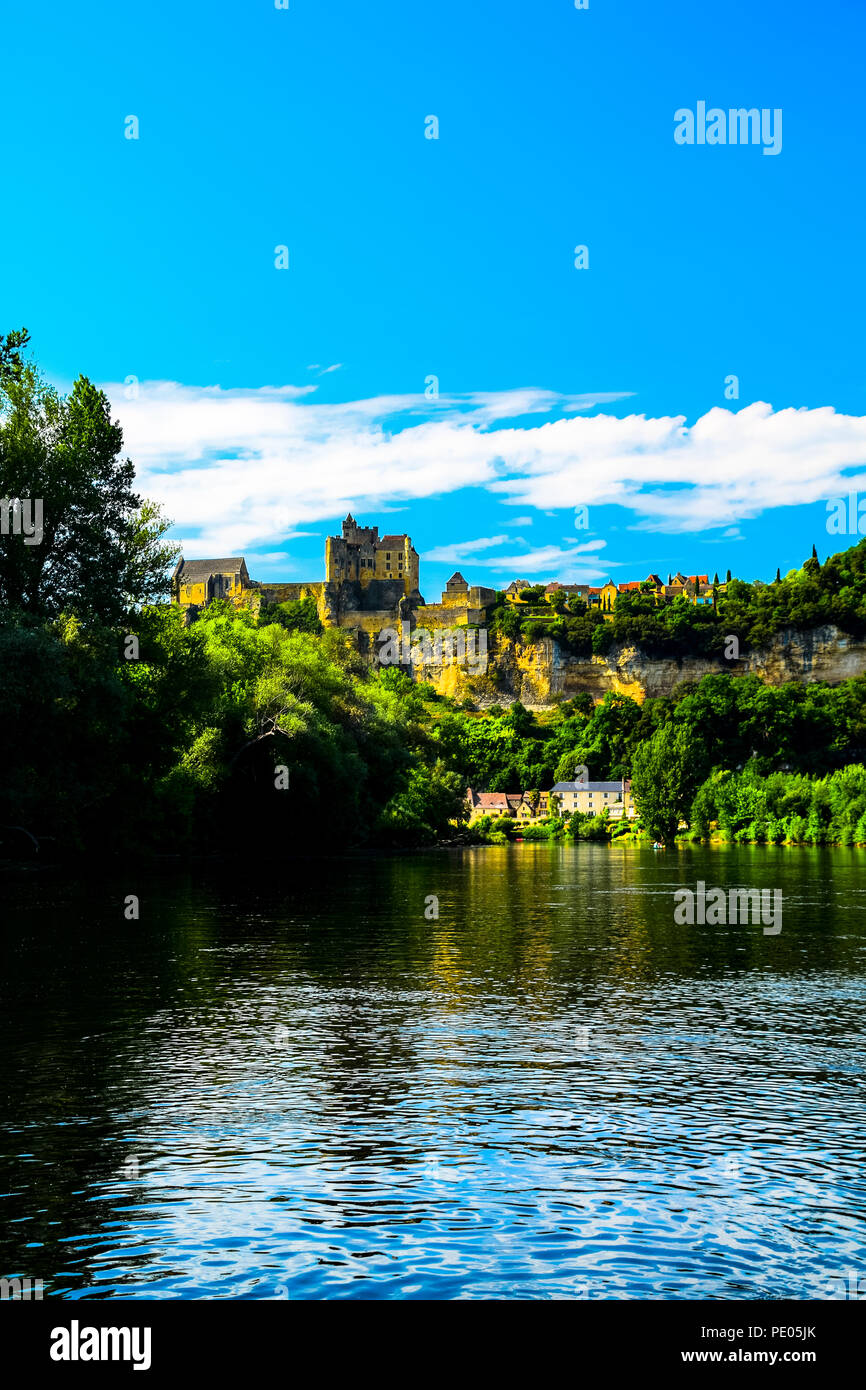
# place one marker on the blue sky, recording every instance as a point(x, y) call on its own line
point(266, 402)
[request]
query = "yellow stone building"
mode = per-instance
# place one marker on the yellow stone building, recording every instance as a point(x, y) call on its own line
point(195, 582)
point(591, 798)
point(363, 572)
point(362, 555)
point(523, 807)
point(371, 583)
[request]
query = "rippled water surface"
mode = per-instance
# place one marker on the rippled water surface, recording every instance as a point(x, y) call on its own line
point(298, 1086)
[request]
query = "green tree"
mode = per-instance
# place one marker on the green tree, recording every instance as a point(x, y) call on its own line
point(296, 615)
point(558, 600)
point(426, 808)
point(504, 827)
point(101, 552)
point(11, 344)
point(663, 780)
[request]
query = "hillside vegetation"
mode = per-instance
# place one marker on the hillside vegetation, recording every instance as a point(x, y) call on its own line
point(123, 729)
point(813, 596)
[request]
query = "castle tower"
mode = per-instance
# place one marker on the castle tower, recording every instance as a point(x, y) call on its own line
point(361, 555)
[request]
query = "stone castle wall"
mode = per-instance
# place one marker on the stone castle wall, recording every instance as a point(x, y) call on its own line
point(449, 615)
point(288, 593)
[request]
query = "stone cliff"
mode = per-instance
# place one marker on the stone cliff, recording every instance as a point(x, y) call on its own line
point(541, 673)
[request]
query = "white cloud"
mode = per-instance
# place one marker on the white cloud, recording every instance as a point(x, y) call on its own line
point(547, 558)
point(727, 467)
point(460, 550)
point(238, 469)
point(520, 521)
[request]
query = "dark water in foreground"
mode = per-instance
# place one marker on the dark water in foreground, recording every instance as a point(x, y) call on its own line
point(306, 1089)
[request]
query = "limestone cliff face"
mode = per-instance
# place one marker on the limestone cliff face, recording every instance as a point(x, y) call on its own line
point(537, 673)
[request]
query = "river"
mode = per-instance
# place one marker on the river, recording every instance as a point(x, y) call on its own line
point(493, 1072)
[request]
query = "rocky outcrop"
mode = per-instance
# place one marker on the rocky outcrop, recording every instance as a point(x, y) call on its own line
point(541, 673)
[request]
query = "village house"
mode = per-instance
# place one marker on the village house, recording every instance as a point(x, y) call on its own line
point(521, 806)
point(695, 587)
point(589, 594)
point(512, 593)
point(592, 798)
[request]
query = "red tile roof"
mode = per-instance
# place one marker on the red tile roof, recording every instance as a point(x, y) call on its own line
point(489, 801)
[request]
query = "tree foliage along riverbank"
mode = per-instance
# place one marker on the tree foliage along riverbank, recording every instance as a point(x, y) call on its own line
point(171, 742)
point(177, 750)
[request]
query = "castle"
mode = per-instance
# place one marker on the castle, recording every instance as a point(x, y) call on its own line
point(360, 555)
point(371, 582)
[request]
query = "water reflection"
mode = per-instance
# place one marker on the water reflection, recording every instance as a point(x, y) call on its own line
point(300, 1086)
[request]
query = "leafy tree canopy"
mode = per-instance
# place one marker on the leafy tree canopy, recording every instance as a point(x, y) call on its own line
point(101, 551)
